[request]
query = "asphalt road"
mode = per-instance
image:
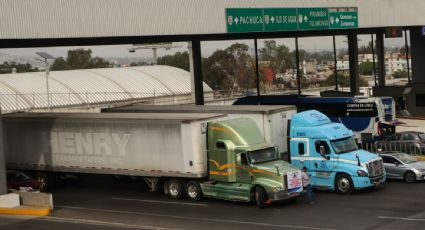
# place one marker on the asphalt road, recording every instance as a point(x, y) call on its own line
point(103, 203)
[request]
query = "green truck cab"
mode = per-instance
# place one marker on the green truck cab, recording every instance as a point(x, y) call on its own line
point(242, 166)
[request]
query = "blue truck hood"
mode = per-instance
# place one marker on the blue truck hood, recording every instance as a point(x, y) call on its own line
point(364, 156)
point(315, 124)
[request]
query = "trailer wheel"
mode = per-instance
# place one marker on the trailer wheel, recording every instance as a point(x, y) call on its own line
point(344, 184)
point(193, 190)
point(260, 197)
point(174, 189)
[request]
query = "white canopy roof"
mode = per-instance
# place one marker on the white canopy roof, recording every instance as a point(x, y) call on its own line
point(78, 87)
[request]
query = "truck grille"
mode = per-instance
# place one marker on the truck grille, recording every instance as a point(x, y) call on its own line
point(375, 168)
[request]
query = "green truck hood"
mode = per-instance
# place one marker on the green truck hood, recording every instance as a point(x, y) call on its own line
point(270, 167)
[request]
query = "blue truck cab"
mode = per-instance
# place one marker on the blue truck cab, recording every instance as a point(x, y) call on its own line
point(331, 155)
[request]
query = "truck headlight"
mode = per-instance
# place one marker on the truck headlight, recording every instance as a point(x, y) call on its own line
point(277, 188)
point(361, 173)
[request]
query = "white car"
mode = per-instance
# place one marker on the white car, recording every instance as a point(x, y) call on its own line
point(399, 165)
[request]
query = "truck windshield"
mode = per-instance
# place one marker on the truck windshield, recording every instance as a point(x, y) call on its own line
point(263, 155)
point(344, 145)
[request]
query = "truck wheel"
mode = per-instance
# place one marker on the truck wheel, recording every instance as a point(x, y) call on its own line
point(410, 177)
point(260, 197)
point(174, 189)
point(344, 184)
point(194, 191)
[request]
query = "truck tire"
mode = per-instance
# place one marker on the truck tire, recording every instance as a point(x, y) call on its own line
point(344, 184)
point(193, 191)
point(260, 197)
point(174, 189)
point(410, 177)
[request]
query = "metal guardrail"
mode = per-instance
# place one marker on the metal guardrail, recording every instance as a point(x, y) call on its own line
point(400, 147)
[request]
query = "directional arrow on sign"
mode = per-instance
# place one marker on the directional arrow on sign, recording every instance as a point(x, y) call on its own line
point(305, 18)
point(236, 20)
point(272, 19)
point(337, 20)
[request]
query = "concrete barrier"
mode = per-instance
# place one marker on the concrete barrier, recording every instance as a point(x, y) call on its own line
point(38, 199)
point(9, 200)
point(26, 203)
point(26, 210)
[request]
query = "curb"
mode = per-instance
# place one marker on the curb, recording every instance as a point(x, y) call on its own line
point(420, 158)
point(26, 210)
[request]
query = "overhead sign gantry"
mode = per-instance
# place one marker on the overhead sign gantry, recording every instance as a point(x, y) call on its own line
point(290, 19)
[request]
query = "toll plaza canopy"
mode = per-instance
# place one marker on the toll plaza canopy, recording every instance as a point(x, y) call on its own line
point(23, 19)
point(24, 91)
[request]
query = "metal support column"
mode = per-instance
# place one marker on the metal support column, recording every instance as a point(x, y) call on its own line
point(406, 45)
point(373, 60)
point(3, 183)
point(336, 66)
point(297, 61)
point(353, 62)
point(197, 71)
point(257, 71)
point(380, 52)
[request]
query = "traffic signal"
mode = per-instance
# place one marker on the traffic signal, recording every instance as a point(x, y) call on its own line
point(393, 32)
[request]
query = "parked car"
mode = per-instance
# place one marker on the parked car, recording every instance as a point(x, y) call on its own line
point(408, 141)
point(399, 165)
point(17, 180)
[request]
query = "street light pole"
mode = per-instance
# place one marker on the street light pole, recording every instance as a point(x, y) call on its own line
point(46, 56)
point(47, 83)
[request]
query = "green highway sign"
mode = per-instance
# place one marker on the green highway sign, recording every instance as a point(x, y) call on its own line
point(343, 18)
point(313, 19)
point(280, 19)
point(245, 20)
point(239, 20)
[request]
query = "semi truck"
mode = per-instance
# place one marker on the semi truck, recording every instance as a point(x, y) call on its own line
point(369, 117)
point(342, 167)
point(191, 154)
point(328, 150)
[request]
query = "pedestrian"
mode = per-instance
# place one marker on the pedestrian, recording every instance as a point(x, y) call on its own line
point(307, 186)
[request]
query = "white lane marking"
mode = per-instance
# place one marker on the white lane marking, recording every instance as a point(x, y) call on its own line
point(158, 201)
point(400, 218)
point(197, 219)
point(86, 221)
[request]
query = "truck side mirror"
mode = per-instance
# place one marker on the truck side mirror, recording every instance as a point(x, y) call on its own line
point(238, 158)
point(241, 159)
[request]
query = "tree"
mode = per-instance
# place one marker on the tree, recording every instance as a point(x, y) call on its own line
point(79, 59)
point(59, 64)
point(230, 69)
point(179, 60)
point(7, 67)
point(278, 56)
point(366, 68)
point(365, 49)
point(400, 74)
point(343, 80)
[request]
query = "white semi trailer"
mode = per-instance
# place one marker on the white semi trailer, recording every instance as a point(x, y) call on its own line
point(271, 119)
point(196, 154)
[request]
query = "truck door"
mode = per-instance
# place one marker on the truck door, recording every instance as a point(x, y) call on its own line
point(322, 164)
point(299, 152)
point(242, 169)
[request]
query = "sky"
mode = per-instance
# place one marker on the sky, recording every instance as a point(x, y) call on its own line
point(309, 44)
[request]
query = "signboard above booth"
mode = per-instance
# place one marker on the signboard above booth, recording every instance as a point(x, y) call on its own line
point(289, 19)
